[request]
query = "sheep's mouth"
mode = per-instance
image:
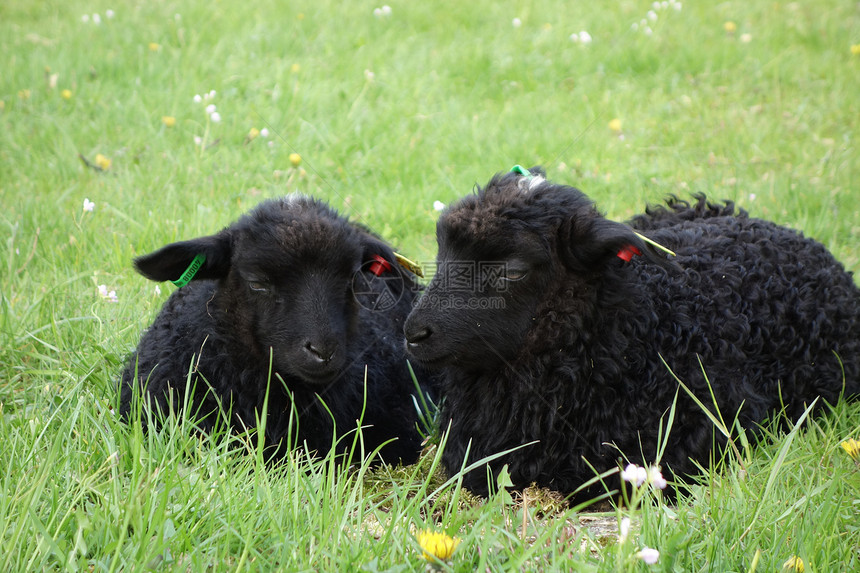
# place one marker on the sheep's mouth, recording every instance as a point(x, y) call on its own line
point(421, 354)
point(319, 376)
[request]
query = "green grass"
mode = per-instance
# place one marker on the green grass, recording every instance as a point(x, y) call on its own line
point(389, 115)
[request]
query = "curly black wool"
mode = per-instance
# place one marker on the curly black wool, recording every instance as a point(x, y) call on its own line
point(561, 342)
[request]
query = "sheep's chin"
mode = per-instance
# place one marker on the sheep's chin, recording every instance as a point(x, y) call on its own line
point(318, 377)
point(426, 357)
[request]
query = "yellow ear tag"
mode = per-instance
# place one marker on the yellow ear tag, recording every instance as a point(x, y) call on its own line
point(409, 265)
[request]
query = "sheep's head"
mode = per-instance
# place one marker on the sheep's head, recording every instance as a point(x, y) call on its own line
point(504, 253)
point(284, 276)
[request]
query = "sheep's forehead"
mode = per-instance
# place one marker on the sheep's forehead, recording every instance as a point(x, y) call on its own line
point(293, 239)
point(489, 217)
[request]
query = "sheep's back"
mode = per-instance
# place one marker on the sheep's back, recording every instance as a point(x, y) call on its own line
point(765, 308)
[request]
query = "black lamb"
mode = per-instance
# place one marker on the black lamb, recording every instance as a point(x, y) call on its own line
point(550, 324)
point(295, 301)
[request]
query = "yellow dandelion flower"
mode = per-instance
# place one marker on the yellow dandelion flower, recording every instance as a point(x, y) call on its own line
point(852, 448)
point(66, 94)
point(793, 564)
point(102, 162)
point(855, 50)
point(730, 27)
point(437, 546)
point(295, 68)
point(295, 159)
point(252, 135)
point(168, 120)
point(154, 46)
point(615, 125)
point(300, 16)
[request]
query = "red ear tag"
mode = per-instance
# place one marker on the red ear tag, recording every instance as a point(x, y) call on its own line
point(379, 265)
point(627, 252)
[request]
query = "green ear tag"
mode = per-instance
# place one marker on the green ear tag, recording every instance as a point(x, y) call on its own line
point(190, 271)
point(521, 170)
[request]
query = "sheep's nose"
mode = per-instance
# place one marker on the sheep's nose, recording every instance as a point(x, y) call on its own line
point(418, 335)
point(320, 352)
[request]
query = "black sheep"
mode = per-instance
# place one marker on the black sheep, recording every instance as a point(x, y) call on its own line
point(295, 300)
point(551, 324)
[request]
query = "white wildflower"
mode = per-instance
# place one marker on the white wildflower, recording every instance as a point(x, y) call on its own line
point(97, 19)
point(109, 14)
point(623, 529)
point(438, 205)
point(516, 22)
point(215, 117)
point(210, 109)
point(648, 555)
point(106, 294)
point(88, 205)
point(655, 477)
point(264, 133)
point(634, 474)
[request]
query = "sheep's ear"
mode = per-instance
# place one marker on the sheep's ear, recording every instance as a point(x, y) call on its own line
point(590, 241)
point(169, 262)
point(375, 248)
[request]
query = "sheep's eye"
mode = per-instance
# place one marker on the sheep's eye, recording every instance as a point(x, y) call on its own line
point(258, 286)
point(514, 274)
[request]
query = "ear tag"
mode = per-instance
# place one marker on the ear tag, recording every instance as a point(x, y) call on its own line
point(522, 171)
point(409, 265)
point(627, 252)
point(529, 181)
point(190, 271)
point(379, 265)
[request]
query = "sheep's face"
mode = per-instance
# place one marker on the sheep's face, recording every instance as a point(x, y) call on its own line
point(296, 302)
point(481, 300)
point(504, 254)
point(284, 284)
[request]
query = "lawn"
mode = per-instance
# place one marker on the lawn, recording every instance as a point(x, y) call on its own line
point(109, 148)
